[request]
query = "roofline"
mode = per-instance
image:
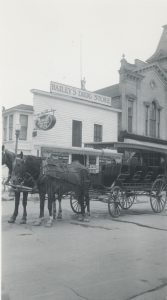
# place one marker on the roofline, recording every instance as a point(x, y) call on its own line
point(67, 98)
point(17, 109)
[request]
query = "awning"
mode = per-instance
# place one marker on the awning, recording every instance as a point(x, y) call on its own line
point(82, 151)
point(129, 146)
point(159, 148)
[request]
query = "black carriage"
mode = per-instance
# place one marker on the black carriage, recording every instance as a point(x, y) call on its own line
point(143, 173)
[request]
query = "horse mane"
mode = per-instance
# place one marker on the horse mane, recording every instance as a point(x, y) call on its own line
point(33, 165)
point(10, 157)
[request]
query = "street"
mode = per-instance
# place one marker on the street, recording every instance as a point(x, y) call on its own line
point(105, 259)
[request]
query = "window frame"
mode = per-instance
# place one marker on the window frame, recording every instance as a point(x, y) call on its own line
point(76, 133)
point(98, 132)
point(130, 116)
point(10, 127)
point(5, 128)
point(23, 135)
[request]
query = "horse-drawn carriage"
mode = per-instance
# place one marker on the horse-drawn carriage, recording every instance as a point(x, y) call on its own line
point(115, 178)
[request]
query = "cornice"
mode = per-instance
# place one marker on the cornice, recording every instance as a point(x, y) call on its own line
point(75, 100)
point(157, 68)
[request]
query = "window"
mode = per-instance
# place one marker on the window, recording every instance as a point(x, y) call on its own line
point(130, 115)
point(24, 126)
point(158, 123)
point(5, 120)
point(76, 133)
point(146, 120)
point(153, 120)
point(10, 127)
point(97, 133)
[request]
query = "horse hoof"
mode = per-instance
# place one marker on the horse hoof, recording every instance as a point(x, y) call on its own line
point(59, 217)
point(11, 220)
point(37, 223)
point(81, 219)
point(86, 220)
point(23, 221)
point(49, 223)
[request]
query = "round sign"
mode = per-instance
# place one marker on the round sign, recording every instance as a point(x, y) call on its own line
point(45, 122)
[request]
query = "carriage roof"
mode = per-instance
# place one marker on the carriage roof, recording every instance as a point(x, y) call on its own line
point(123, 146)
point(84, 151)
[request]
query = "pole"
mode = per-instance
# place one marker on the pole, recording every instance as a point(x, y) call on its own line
point(17, 138)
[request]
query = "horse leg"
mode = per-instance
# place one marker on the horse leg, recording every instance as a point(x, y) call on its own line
point(87, 203)
point(15, 213)
point(50, 202)
point(24, 217)
point(54, 208)
point(60, 208)
point(41, 214)
point(81, 201)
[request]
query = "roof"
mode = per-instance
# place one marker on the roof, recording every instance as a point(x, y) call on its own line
point(161, 51)
point(110, 91)
point(129, 146)
point(20, 107)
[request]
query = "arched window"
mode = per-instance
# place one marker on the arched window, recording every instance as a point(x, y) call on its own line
point(153, 120)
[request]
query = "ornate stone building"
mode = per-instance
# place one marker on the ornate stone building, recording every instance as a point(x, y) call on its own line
point(142, 95)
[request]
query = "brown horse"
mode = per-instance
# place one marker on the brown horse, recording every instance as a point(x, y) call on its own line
point(64, 178)
point(61, 180)
point(8, 158)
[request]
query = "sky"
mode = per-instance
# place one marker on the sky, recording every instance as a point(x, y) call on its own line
point(62, 40)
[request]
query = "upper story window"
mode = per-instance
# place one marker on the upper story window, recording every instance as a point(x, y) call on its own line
point(146, 120)
point(98, 133)
point(5, 121)
point(76, 133)
point(153, 120)
point(130, 116)
point(24, 127)
point(10, 127)
point(158, 122)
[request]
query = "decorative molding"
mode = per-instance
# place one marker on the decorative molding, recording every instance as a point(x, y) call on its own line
point(153, 84)
point(131, 97)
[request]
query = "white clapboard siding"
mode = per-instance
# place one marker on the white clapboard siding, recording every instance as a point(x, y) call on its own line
point(66, 111)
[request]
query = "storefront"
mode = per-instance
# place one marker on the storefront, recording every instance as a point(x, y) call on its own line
point(66, 118)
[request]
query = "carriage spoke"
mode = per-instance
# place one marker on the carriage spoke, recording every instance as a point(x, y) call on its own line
point(158, 196)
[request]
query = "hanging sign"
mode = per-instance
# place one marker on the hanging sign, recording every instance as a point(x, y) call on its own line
point(45, 120)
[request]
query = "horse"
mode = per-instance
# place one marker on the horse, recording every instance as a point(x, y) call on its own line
point(64, 178)
point(8, 158)
point(34, 168)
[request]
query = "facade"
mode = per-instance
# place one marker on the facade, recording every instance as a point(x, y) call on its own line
point(81, 116)
point(21, 114)
point(142, 95)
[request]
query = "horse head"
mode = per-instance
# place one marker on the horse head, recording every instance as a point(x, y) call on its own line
point(18, 170)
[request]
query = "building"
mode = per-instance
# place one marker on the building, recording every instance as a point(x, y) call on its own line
point(20, 114)
point(141, 94)
point(78, 116)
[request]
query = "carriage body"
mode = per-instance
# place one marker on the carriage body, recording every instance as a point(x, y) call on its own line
point(143, 173)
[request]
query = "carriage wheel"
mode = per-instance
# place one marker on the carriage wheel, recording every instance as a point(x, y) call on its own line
point(158, 195)
point(75, 205)
point(127, 200)
point(114, 202)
